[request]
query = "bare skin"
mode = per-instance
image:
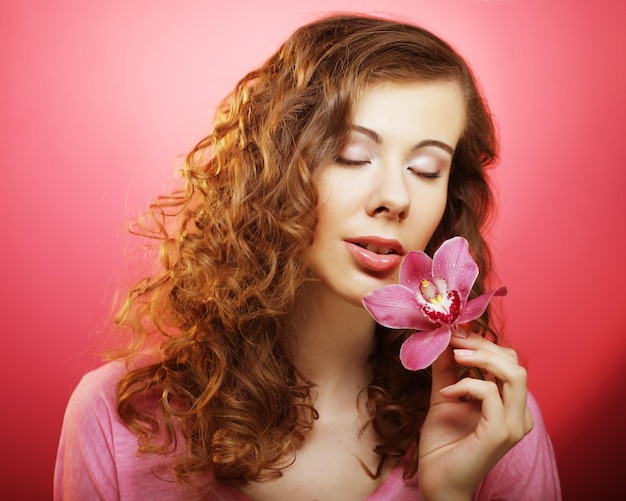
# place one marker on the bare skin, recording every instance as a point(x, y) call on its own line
point(327, 464)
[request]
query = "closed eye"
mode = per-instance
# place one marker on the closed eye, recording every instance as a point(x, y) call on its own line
point(426, 175)
point(349, 161)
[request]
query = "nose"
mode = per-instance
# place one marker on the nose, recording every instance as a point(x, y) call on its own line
point(390, 196)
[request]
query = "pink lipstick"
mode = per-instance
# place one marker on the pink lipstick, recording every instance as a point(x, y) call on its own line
point(375, 253)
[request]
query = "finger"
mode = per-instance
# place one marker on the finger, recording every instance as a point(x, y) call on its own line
point(486, 392)
point(504, 358)
point(497, 426)
point(510, 376)
point(497, 363)
point(472, 341)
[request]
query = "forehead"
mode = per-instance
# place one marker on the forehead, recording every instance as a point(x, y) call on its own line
point(430, 109)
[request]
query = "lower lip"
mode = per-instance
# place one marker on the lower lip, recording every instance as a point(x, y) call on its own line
point(373, 261)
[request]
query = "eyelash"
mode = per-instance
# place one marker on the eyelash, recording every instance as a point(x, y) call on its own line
point(427, 175)
point(347, 161)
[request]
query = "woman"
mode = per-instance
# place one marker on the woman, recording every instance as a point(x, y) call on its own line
point(253, 370)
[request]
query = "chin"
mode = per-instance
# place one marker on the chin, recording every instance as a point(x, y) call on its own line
point(349, 285)
point(355, 296)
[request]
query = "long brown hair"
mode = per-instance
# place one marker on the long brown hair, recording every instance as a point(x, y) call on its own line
point(232, 255)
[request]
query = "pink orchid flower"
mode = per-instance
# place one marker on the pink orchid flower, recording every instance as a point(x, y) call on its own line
point(430, 298)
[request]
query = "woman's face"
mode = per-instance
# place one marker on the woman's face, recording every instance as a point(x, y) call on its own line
point(385, 192)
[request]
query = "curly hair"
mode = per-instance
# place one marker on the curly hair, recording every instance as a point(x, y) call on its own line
point(233, 246)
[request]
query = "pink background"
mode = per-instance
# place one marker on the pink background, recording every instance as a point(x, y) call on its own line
point(98, 101)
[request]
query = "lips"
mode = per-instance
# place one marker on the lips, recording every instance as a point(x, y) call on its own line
point(375, 253)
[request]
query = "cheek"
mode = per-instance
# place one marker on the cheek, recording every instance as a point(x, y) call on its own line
point(328, 211)
point(427, 215)
point(339, 196)
point(440, 199)
point(440, 206)
point(434, 197)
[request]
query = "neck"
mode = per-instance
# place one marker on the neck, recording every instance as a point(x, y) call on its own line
point(332, 343)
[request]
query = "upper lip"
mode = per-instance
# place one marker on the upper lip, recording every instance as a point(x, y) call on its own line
point(378, 243)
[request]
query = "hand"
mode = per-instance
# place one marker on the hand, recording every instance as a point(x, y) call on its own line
point(473, 422)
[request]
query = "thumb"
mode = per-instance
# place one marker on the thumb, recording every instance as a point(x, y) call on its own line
point(443, 371)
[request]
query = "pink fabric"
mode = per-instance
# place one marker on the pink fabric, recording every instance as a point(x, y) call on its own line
point(97, 458)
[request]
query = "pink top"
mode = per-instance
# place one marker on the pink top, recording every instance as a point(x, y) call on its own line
point(97, 458)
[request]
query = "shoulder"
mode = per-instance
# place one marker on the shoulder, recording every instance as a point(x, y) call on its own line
point(95, 396)
point(91, 412)
point(97, 454)
point(85, 464)
point(96, 388)
point(528, 471)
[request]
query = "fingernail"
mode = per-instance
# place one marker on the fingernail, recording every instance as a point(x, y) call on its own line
point(463, 353)
point(460, 333)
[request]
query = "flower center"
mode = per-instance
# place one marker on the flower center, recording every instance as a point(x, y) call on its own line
point(439, 303)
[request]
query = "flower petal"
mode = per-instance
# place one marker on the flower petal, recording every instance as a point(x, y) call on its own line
point(453, 261)
point(422, 348)
point(417, 266)
point(395, 306)
point(477, 306)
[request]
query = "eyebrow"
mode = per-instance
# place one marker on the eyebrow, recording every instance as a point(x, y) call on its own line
point(426, 142)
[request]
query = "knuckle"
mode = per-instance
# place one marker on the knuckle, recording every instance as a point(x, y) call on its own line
point(519, 373)
point(511, 353)
point(492, 387)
